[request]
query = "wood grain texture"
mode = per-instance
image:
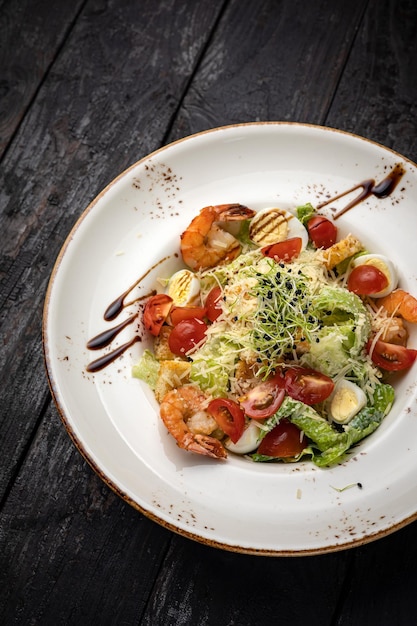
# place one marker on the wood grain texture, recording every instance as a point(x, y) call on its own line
point(377, 95)
point(31, 35)
point(247, 590)
point(70, 549)
point(266, 62)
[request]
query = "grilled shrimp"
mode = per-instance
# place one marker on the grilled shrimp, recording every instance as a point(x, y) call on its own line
point(204, 244)
point(400, 303)
point(182, 409)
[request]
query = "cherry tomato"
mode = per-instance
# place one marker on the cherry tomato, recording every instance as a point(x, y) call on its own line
point(284, 250)
point(283, 441)
point(214, 304)
point(180, 313)
point(322, 232)
point(186, 335)
point(364, 280)
point(265, 399)
point(156, 312)
point(229, 417)
point(391, 357)
point(307, 385)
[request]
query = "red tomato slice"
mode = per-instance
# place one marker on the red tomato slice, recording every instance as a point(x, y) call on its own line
point(284, 441)
point(391, 357)
point(364, 280)
point(229, 417)
point(307, 385)
point(265, 399)
point(213, 304)
point(186, 335)
point(322, 232)
point(284, 250)
point(180, 313)
point(156, 312)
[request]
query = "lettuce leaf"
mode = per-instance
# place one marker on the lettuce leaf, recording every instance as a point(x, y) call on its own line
point(305, 212)
point(212, 365)
point(147, 369)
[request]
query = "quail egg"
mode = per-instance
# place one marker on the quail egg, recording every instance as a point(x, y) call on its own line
point(273, 225)
point(184, 288)
point(346, 401)
point(382, 263)
point(248, 442)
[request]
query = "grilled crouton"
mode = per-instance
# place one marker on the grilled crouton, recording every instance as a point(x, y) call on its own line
point(161, 347)
point(341, 250)
point(172, 374)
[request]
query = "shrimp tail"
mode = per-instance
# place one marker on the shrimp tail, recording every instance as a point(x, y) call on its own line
point(205, 445)
point(401, 303)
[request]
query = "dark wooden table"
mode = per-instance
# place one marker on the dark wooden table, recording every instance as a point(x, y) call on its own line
point(87, 88)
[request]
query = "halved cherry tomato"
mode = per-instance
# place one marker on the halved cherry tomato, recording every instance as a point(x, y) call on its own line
point(186, 335)
point(364, 280)
point(284, 441)
point(283, 250)
point(307, 385)
point(391, 357)
point(322, 232)
point(156, 312)
point(229, 417)
point(213, 304)
point(180, 313)
point(265, 399)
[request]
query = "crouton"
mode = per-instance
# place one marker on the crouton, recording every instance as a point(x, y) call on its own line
point(172, 375)
point(341, 250)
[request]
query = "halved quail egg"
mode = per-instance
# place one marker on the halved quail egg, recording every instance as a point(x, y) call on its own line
point(272, 225)
point(248, 442)
point(384, 265)
point(184, 288)
point(346, 401)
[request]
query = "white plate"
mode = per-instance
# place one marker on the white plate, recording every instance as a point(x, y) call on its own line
point(113, 419)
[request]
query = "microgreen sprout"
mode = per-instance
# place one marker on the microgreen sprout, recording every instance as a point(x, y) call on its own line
point(282, 319)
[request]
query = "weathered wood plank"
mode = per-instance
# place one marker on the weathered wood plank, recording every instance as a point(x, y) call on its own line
point(108, 100)
point(199, 585)
point(377, 95)
point(31, 34)
point(271, 61)
point(71, 551)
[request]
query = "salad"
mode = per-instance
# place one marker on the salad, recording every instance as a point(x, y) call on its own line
point(277, 339)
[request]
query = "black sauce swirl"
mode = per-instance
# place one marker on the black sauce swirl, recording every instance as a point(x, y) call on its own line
point(369, 188)
point(105, 338)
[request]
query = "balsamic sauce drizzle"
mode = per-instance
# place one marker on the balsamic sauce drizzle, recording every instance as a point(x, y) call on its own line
point(368, 188)
point(104, 339)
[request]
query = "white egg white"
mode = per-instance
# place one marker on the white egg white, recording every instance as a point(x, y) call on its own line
point(346, 400)
point(385, 265)
point(248, 441)
point(294, 228)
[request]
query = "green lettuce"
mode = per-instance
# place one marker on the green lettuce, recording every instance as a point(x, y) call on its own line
point(305, 212)
point(147, 369)
point(212, 363)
